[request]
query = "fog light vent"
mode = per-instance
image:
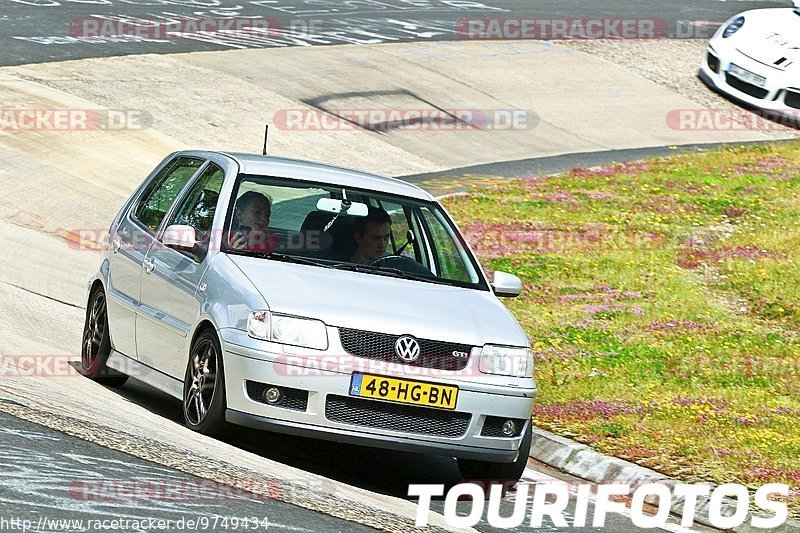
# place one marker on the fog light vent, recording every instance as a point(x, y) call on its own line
point(287, 398)
point(497, 426)
point(272, 395)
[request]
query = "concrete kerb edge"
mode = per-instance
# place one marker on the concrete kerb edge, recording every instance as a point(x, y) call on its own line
point(582, 461)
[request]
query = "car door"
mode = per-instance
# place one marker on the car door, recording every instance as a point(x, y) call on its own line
point(169, 304)
point(130, 239)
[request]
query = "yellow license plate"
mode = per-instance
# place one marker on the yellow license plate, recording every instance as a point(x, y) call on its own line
point(403, 391)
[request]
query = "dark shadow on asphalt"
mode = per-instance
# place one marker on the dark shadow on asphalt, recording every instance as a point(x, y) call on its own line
point(386, 472)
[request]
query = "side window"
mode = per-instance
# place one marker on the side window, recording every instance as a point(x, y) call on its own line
point(199, 205)
point(450, 255)
point(161, 193)
point(399, 227)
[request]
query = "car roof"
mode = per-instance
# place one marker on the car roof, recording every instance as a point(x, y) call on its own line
point(298, 169)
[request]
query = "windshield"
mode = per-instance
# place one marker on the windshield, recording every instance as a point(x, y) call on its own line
point(349, 229)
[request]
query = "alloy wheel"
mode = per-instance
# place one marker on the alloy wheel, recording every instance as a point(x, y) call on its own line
point(96, 325)
point(200, 394)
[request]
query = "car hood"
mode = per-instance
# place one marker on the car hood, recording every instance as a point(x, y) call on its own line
point(772, 37)
point(383, 304)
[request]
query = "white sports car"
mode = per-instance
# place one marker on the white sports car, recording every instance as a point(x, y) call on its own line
point(755, 58)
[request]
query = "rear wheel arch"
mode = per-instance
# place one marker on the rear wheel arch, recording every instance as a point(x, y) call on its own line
point(96, 340)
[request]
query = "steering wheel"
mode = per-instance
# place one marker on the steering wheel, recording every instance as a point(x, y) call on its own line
point(404, 263)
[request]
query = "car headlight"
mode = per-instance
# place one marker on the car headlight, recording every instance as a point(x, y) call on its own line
point(285, 329)
point(506, 361)
point(734, 26)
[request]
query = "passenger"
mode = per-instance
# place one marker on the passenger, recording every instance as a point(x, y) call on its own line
point(252, 211)
point(372, 234)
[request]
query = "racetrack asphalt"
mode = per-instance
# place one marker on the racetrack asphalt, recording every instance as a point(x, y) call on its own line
point(34, 31)
point(59, 483)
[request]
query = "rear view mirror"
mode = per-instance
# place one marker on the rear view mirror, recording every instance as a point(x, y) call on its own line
point(180, 236)
point(332, 205)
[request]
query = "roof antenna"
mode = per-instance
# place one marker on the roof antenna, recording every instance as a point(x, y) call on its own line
point(266, 134)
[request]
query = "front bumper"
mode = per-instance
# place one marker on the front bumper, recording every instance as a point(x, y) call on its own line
point(478, 398)
point(777, 95)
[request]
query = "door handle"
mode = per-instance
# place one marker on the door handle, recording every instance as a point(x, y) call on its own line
point(148, 265)
point(116, 242)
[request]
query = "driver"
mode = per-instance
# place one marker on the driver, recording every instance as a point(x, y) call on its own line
point(372, 234)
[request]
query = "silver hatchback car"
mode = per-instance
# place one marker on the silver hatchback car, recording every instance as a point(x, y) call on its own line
point(312, 300)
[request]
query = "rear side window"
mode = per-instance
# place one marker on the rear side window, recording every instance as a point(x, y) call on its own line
point(198, 208)
point(163, 190)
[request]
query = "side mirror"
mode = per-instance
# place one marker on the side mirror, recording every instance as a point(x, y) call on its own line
point(506, 285)
point(180, 236)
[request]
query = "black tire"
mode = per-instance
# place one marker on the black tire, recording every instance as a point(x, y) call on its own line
point(506, 474)
point(96, 343)
point(204, 401)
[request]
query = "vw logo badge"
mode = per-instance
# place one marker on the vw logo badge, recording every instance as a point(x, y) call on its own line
point(407, 349)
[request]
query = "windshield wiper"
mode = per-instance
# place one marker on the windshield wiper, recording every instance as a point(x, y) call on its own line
point(409, 275)
point(369, 269)
point(386, 271)
point(277, 256)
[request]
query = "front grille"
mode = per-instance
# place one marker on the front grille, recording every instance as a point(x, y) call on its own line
point(747, 88)
point(396, 417)
point(713, 62)
point(792, 99)
point(294, 399)
point(493, 427)
point(433, 354)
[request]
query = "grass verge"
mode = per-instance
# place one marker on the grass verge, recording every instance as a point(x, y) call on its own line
point(662, 301)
